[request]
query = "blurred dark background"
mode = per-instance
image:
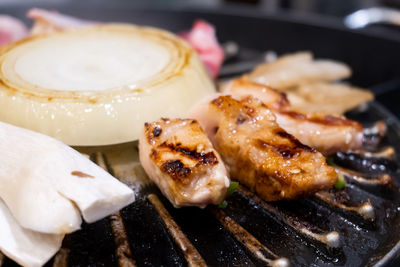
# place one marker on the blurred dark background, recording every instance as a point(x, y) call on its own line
point(335, 8)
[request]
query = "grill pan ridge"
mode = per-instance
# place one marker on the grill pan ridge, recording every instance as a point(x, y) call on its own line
point(249, 232)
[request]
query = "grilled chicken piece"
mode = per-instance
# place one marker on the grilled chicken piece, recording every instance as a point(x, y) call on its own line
point(260, 154)
point(298, 68)
point(328, 98)
point(309, 83)
point(179, 158)
point(328, 134)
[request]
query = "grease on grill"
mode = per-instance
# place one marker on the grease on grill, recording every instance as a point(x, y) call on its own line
point(191, 254)
point(365, 164)
point(249, 241)
point(123, 250)
point(383, 179)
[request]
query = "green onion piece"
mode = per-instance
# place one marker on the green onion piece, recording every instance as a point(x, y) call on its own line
point(341, 182)
point(223, 205)
point(231, 189)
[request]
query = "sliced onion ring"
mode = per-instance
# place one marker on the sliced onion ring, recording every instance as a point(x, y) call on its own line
point(98, 85)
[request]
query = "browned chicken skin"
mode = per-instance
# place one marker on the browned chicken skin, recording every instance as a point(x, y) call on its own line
point(328, 134)
point(179, 158)
point(260, 154)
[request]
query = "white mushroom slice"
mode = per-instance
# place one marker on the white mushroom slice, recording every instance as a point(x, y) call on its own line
point(94, 86)
point(44, 181)
point(24, 246)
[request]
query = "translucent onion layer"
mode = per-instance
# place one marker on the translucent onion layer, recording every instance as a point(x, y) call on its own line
point(98, 85)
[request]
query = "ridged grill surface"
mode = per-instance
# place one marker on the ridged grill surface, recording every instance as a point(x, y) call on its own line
point(249, 232)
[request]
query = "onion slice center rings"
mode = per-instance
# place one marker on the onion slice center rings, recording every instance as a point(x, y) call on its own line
point(98, 85)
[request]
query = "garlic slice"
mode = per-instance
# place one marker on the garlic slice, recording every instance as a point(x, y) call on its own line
point(24, 246)
point(98, 85)
point(47, 185)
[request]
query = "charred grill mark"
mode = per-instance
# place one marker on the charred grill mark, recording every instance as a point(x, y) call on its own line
point(152, 131)
point(207, 158)
point(284, 150)
point(262, 104)
point(147, 130)
point(293, 140)
point(326, 120)
point(202, 158)
point(216, 130)
point(157, 131)
point(249, 110)
point(282, 101)
point(188, 152)
point(176, 169)
point(81, 174)
point(285, 135)
point(218, 102)
point(295, 115)
point(332, 120)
